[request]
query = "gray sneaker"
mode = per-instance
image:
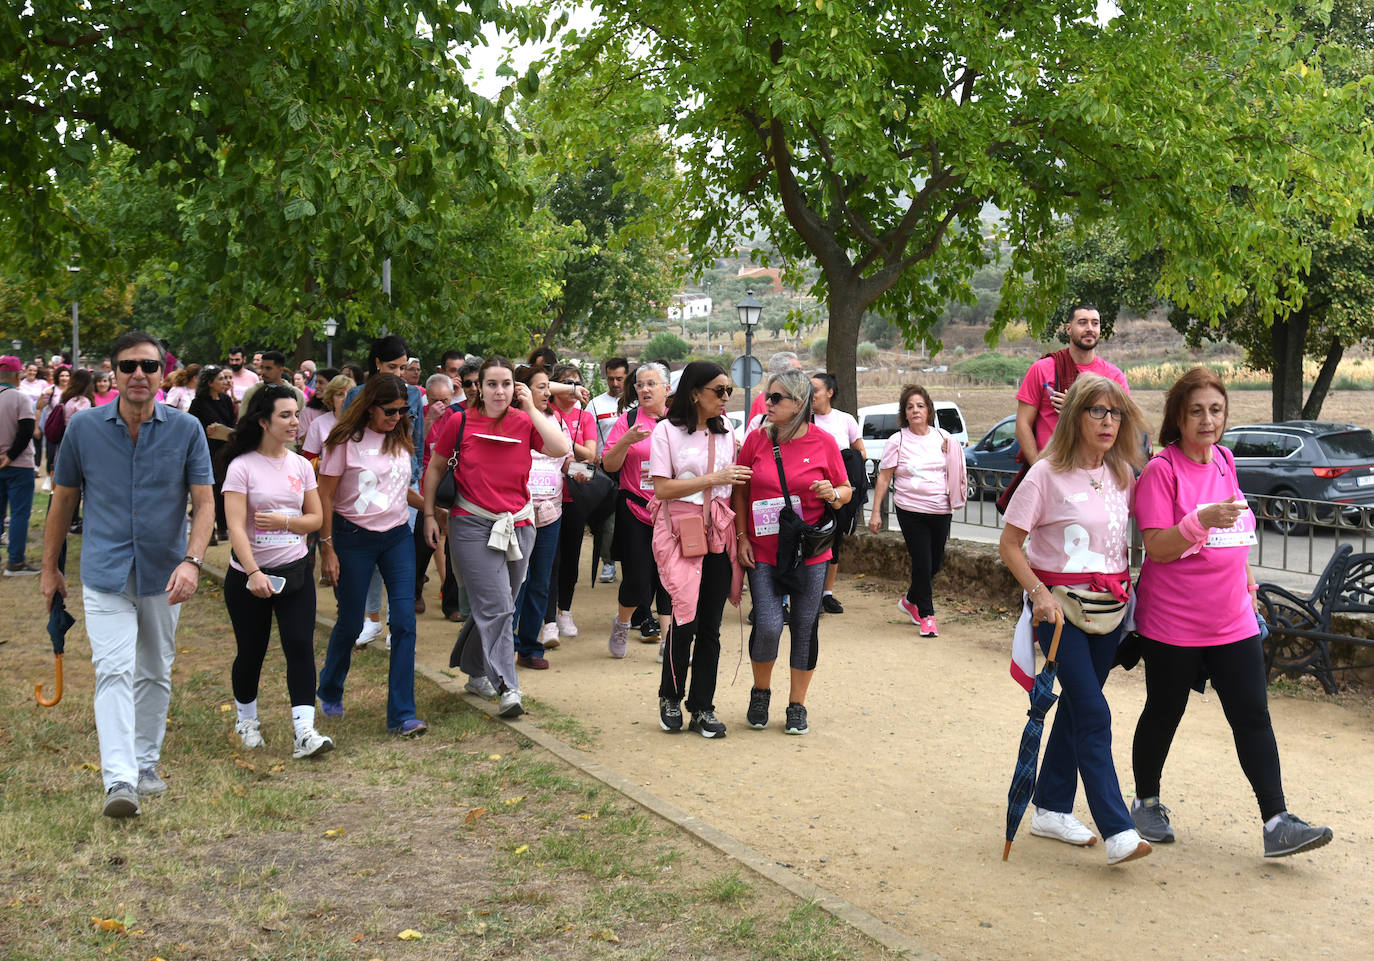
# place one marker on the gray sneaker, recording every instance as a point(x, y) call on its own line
point(482, 687)
point(1152, 820)
point(706, 724)
point(149, 784)
point(121, 801)
point(669, 715)
point(20, 569)
point(511, 704)
point(1291, 835)
point(608, 573)
point(618, 645)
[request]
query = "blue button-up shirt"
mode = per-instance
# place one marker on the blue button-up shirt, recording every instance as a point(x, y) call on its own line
point(415, 400)
point(135, 494)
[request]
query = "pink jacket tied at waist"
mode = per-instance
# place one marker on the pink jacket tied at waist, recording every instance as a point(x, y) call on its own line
point(681, 576)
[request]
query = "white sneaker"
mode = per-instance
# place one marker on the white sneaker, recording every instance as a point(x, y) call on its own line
point(661, 645)
point(388, 641)
point(481, 686)
point(510, 704)
point(371, 631)
point(566, 627)
point(1126, 846)
point(249, 732)
point(1061, 827)
point(312, 743)
point(550, 634)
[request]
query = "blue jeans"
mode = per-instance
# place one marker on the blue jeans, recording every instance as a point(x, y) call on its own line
point(16, 492)
point(534, 592)
point(1080, 740)
point(393, 553)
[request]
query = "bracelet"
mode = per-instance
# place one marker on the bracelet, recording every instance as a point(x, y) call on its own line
point(327, 540)
point(256, 570)
point(739, 534)
point(1252, 588)
point(1037, 587)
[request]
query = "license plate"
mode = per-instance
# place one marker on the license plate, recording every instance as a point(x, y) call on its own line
point(1366, 481)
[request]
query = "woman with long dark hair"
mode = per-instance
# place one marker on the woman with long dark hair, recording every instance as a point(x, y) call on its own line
point(692, 463)
point(490, 528)
point(365, 498)
point(214, 407)
point(580, 425)
point(816, 478)
point(271, 501)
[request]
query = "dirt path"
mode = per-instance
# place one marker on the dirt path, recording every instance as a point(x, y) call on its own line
point(896, 800)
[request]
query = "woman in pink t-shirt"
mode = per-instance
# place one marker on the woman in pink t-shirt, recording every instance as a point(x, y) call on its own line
point(1196, 612)
point(490, 529)
point(924, 466)
point(1071, 513)
point(271, 502)
point(365, 494)
point(627, 450)
point(816, 478)
point(104, 392)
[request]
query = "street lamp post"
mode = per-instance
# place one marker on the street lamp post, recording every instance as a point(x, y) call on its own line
point(76, 323)
point(331, 327)
point(749, 311)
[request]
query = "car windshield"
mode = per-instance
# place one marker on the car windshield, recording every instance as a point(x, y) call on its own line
point(1350, 445)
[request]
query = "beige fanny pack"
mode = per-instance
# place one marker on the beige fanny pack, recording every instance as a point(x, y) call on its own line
point(1092, 612)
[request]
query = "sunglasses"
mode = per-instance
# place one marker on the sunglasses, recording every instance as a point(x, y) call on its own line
point(722, 392)
point(571, 383)
point(1098, 412)
point(776, 398)
point(469, 383)
point(149, 366)
point(392, 411)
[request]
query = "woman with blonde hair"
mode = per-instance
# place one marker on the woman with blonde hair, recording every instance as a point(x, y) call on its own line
point(1071, 515)
point(331, 401)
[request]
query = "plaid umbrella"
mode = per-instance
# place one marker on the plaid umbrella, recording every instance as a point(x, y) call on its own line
point(1042, 698)
point(60, 621)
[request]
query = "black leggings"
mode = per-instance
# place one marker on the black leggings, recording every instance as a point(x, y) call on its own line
point(1236, 671)
point(698, 642)
point(569, 555)
point(639, 584)
point(925, 536)
point(252, 620)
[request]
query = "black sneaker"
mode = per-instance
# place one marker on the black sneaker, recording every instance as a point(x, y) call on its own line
point(649, 632)
point(796, 719)
point(669, 715)
point(751, 615)
point(1291, 835)
point(757, 715)
point(705, 724)
point(830, 605)
point(1152, 820)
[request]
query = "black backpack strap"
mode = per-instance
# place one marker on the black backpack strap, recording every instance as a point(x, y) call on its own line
point(458, 444)
point(782, 478)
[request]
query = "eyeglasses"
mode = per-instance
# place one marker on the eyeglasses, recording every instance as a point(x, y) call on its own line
point(469, 383)
point(149, 366)
point(1098, 412)
point(722, 392)
point(776, 398)
point(392, 411)
point(571, 383)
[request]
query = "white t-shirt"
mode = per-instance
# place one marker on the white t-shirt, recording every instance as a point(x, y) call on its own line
point(920, 481)
point(276, 486)
point(839, 425)
point(674, 453)
point(605, 409)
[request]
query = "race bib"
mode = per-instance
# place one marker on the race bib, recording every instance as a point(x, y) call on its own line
point(263, 538)
point(766, 514)
point(646, 480)
point(545, 481)
point(1231, 539)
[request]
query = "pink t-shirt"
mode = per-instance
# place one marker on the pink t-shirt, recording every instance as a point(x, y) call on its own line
point(920, 479)
point(1202, 599)
point(372, 484)
point(546, 483)
point(110, 396)
point(839, 425)
point(244, 379)
point(634, 473)
point(580, 426)
point(276, 486)
point(494, 464)
point(674, 453)
point(77, 404)
point(813, 456)
point(1035, 392)
point(1073, 526)
point(317, 432)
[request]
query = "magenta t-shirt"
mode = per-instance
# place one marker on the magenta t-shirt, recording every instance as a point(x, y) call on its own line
point(110, 397)
point(813, 456)
point(1200, 600)
point(1073, 526)
point(1034, 392)
point(275, 486)
point(372, 484)
point(494, 464)
point(634, 473)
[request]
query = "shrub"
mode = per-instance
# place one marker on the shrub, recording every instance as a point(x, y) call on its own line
point(818, 348)
point(993, 368)
point(666, 346)
point(867, 353)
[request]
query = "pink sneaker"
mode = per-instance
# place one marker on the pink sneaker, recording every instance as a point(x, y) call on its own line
point(910, 610)
point(928, 628)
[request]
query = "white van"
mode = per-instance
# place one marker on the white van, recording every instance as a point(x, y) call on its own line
point(878, 422)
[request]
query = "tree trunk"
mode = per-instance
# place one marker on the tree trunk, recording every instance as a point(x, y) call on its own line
point(305, 350)
point(842, 345)
point(1288, 339)
point(1313, 408)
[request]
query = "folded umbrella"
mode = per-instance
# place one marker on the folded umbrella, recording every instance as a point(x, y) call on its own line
point(1042, 698)
point(60, 621)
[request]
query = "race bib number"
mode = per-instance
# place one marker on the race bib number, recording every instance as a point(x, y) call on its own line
point(274, 538)
point(1231, 539)
point(545, 481)
point(766, 514)
point(646, 480)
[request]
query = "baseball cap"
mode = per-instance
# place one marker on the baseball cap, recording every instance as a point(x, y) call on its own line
point(11, 362)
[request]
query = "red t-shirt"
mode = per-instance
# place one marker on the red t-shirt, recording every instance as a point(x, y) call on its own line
point(494, 464)
point(580, 426)
point(813, 456)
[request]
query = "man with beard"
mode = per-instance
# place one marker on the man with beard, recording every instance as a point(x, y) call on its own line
point(243, 378)
point(1048, 380)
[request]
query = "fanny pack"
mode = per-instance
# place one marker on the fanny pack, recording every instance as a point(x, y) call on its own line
point(1092, 612)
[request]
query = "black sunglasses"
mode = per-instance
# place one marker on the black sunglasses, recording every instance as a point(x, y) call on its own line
point(393, 411)
point(775, 398)
point(571, 383)
point(469, 383)
point(149, 366)
point(723, 391)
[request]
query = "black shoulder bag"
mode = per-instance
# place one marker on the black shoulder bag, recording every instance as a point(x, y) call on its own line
point(447, 491)
point(799, 541)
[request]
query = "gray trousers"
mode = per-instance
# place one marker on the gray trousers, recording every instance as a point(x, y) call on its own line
point(492, 583)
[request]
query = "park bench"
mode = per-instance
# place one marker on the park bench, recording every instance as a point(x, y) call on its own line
point(1301, 629)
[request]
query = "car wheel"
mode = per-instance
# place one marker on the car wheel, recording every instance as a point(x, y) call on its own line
point(972, 491)
point(1285, 515)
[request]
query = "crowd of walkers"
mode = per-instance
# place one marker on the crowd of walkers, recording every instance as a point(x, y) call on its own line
point(491, 473)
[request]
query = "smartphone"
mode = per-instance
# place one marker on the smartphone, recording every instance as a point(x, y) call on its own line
point(276, 583)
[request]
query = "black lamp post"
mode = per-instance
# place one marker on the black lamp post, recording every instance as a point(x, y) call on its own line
point(749, 311)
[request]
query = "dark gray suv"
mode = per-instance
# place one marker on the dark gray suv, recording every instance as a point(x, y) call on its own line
point(1304, 460)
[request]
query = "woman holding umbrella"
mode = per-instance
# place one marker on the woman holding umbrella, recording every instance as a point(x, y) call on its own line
point(1070, 514)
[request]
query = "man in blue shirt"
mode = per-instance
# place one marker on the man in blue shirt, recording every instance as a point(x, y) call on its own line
point(135, 461)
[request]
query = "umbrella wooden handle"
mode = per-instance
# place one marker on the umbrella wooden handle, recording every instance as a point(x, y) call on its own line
point(1058, 631)
point(38, 688)
point(1006, 851)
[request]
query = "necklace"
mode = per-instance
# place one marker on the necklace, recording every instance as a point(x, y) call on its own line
point(1096, 481)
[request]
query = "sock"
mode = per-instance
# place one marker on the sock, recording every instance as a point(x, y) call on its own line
point(831, 593)
point(247, 712)
point(302, 718)
point(620, 623)
point(1273, 822)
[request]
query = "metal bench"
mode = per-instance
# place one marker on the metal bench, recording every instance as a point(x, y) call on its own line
point(1300, 628)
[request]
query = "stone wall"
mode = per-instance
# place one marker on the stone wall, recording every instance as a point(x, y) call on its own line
point(971, 569)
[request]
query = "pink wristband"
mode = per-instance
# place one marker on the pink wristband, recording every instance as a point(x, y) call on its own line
point(1191, 528)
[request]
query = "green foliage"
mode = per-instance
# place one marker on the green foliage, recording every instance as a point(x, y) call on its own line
point(867, 353)
point(666, 346)
point(818, 348)
point(993, 368)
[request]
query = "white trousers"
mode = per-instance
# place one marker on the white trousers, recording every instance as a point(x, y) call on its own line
point(133, 642)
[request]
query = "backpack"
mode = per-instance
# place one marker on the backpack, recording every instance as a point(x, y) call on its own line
point(56, 424)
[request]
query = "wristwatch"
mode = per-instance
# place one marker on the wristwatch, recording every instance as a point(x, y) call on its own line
point(200, 565)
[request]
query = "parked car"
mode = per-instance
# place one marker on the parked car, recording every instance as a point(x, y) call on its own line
point(878, 422)
point(1306, 460)
point(996, 452)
